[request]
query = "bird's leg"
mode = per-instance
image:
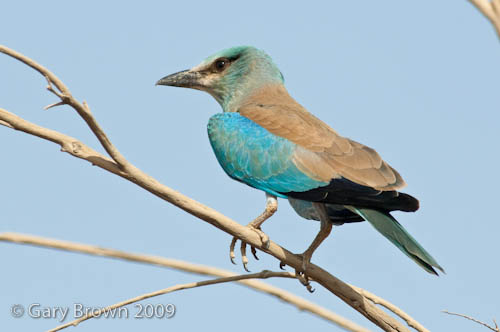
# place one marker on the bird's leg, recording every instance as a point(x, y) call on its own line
point(325, 229)
point(271, 207)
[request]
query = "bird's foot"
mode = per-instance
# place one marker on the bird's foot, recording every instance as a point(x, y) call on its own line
point(264, 238)
point(302, 275)
point(306, 259)
point(271, 207)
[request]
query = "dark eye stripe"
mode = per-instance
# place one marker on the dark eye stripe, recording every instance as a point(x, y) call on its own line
point(234, 58)
point(222, 63)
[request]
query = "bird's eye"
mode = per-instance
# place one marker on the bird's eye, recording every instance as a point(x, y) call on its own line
point(221, 64)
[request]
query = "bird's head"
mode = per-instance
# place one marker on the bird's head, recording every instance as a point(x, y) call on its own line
point(229, 75)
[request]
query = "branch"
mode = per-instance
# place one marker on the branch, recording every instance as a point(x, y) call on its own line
point(496, 328)
point(261, 275)
point(388, 305)
point(490, 9)
point(123, 168)
point(67, 99)
point(300, 303)
point(68, 144)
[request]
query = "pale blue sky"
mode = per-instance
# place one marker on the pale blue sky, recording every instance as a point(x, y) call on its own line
point(418, 81)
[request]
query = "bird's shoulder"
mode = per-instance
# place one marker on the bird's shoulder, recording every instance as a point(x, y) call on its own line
point(276, 111)
point(321, 152)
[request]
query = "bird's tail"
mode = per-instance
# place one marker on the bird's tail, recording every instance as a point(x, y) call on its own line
point(392, 230)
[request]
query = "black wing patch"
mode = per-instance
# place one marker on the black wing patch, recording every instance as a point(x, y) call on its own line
point(345, 192)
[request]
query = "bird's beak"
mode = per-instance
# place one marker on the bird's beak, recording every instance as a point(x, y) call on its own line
point(184, 79)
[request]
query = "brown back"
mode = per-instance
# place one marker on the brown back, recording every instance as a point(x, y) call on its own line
point(322, 154)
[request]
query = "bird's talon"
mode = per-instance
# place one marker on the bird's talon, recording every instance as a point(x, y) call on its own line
point(282, 265)
point(304, 280)
point(244, 258)
point(232, 256)
point(254, 253)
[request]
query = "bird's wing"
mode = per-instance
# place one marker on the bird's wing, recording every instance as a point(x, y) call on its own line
point(322, 153)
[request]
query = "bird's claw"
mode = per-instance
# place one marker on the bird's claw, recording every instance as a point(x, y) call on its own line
point(243, 249)
point(254, 252)
point(232, 256)
point(244, 258)
point(302, 275)
point(304, 280)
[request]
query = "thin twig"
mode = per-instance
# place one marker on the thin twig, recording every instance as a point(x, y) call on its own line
point(261, 275)
point(301, 303)
point(490, 9)
point(496, 328)
point(203, 212)
point(59, 103)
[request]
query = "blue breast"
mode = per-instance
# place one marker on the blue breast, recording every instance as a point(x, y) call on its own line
point(250, 154)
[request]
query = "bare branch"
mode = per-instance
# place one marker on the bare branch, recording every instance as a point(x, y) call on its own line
point(67, 98)
point(388, 305)
point(80, 150)
point(490, 9)
point(203, 212)
point(496, 328)
point(68, 144)
point(261, 275)
point(3, 123)
point(300, 303)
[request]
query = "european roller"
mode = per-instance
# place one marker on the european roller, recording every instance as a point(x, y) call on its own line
point(267, 140)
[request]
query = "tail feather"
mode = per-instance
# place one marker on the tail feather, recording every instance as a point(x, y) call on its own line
point(394, 231)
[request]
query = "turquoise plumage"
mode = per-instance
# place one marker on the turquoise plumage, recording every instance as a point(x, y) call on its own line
point(250, 154)
point(394, 232)
point(268, 141)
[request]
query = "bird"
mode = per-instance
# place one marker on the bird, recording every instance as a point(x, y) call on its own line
point(265, 139)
